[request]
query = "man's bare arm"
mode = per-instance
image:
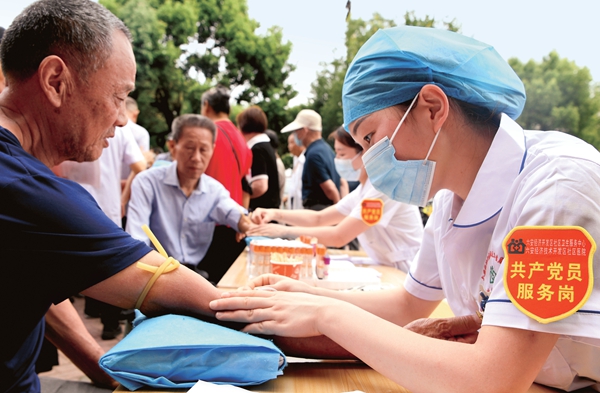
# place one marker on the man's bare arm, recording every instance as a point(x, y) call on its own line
point(65, 329)
point(330, 190)
point(180, 291)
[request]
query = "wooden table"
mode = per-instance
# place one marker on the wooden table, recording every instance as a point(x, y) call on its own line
point(326, 376)
point(237, 276)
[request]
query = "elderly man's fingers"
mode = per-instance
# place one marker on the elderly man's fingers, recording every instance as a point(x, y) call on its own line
point(464, 325)
point(467, 338)
point(463, 328)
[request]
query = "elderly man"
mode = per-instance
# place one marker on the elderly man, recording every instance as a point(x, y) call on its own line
point(69, 66)
point(181, 204)
point(320, 180)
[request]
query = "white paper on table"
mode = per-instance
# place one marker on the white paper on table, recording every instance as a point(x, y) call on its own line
point(356, 260)
point(363, 261)
point(208, 387)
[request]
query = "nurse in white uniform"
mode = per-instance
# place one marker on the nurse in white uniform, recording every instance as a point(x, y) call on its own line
point(511, 239)
point(389, 231)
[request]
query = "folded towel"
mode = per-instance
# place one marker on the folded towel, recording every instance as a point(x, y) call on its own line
point(175, 351)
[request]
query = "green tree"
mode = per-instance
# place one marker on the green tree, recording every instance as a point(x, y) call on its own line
point(560, 96)
point(183, 47)
point(327, 88)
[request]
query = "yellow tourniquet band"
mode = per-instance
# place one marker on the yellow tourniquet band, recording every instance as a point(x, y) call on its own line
point(167, 266)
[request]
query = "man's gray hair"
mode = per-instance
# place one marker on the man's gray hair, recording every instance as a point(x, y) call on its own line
point(131, 104)
point(218, 99)
point(80, 32)
point(191, 120)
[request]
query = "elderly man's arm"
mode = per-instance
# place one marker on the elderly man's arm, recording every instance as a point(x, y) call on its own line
point(65, 329)
point(180, 291)
point(330, 190)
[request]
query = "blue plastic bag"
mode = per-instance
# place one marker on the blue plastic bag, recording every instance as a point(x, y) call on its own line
point(175, 351)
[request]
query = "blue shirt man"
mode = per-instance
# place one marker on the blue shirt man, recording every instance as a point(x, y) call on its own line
point(320, 180)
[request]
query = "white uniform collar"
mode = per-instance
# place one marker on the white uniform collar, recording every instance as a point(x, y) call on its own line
point(500, 167)
point(258, 139)
point(171, 178)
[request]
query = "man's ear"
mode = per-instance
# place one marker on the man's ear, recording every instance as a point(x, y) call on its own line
point(55, 79)
point(171, 145)
point(435, 102)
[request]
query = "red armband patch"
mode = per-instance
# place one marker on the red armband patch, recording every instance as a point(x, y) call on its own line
point(548, 270)
point(371, 211)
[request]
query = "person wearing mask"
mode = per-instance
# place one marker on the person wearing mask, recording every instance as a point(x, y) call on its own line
point(347, 159)
point(320, 181)
point(390, 232)
point(510, 243)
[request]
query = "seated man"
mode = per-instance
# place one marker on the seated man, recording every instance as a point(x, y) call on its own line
point(181, 204)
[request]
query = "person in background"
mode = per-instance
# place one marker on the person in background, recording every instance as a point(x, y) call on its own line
point(179, 202)
point(264, 176)
point(320, 180)
point(295, 193)
point(347, 159)
point(229, 165)
point(232, 158)
point(390, 232)
point(164, 158)
point(141, 135)
point(435, 112)
point(274, 139)
point(69, 65)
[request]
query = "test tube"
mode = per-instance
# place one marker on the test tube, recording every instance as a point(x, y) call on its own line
point(258, 260)
point(320, 262)
point(250, 262)
point(307, 255)
point(266, 268)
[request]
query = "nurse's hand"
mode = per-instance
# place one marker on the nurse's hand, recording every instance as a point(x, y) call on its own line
point(462, 329)
point(263, 216)
point(270, 230)
point(279, 283)
point(274, 313)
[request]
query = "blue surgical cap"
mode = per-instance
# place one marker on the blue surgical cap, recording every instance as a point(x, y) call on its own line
point(394, 64)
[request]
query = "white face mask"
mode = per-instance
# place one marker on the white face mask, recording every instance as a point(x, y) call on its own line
point(403, 181)
point(344, 167)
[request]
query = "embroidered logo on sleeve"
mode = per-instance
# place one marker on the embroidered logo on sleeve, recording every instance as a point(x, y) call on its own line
point(548, 273)
point(371, 211)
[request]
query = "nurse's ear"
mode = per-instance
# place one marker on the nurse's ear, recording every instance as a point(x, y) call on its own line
point(433, 105)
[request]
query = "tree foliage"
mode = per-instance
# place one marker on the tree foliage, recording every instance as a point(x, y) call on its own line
point(184, 47)
point(560, 96)
point(327, 88)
